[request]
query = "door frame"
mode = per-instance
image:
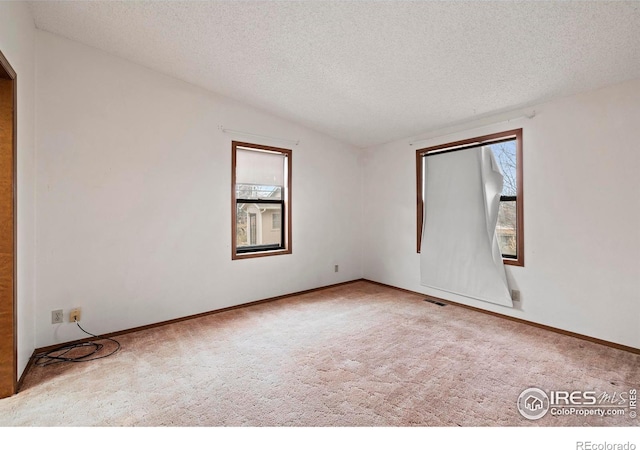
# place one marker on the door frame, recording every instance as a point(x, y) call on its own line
point(11, 386)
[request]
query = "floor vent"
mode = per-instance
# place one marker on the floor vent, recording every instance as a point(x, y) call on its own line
point(434, 302)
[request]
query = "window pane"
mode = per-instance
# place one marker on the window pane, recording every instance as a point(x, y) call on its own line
point(505, 154)
point(506, 228)
point(258, 191)
point(254, 225)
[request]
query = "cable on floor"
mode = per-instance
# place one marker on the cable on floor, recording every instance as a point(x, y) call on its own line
point(62, 354)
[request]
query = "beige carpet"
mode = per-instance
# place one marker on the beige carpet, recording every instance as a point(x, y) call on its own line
point(353, 355)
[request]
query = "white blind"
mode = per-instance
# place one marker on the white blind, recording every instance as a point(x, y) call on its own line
point(459, 251)
point(259, 167)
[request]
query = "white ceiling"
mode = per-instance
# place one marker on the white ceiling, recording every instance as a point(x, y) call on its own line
point(368, 72)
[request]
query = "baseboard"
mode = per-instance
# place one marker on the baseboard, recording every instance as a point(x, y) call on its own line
point(515, 319)
point(25, 371)
point(181, 319)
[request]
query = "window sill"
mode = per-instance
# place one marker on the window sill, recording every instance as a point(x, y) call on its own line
point(261, 254)
point(513, 262)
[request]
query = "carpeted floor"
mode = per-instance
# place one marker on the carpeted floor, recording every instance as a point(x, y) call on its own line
point(354, 355)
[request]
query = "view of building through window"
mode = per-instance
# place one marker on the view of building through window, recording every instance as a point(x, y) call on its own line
point(258, 223)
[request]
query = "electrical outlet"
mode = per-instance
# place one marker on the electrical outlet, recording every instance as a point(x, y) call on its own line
point(74, 315)
point(515, 295)
point(336, 268)
point(57, 316)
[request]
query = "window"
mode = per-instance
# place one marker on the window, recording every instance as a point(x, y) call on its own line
point(260, 198)
point(276, 218)
point(507, 149)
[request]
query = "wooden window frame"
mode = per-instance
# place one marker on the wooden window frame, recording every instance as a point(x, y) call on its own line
point(460, 145)
point(286, 204)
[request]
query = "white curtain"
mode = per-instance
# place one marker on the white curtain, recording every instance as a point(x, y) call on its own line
point(459, 251)
point(259, 167)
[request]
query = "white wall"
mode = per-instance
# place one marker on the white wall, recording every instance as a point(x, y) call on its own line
point(581, 209)
point(17, 43)
point(134, 201)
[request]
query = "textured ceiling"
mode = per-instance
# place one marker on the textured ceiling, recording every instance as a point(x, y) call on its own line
point(368, 72)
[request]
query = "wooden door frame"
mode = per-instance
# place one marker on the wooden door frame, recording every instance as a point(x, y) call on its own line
point(4, 63)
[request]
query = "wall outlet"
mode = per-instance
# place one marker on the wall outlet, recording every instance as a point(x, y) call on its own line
point(57, 316)
point(74, 315)
point(336, 268)
point(515, 295)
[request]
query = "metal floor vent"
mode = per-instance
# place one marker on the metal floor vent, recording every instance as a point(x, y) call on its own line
point(434, 302)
